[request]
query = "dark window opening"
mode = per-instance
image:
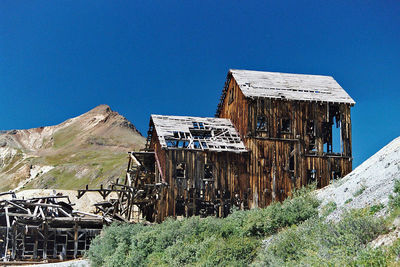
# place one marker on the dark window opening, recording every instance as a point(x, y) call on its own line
point(208, 171)
point(327, 136)
point(327, 147)
point(291, 163)
point(231, 95)
point(181, 170)
point(310, 128)
point(336, 175)
point(262, 123)
point(286, 125)
point(311, 176)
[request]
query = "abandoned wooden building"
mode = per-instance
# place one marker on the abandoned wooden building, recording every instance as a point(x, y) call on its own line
point(194, 157)
point(272, 133)
point(296, 127)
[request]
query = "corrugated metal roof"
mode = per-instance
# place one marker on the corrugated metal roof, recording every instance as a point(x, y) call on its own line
point(290, 86)
point(197, 133)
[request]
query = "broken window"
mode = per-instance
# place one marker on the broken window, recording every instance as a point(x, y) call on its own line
point(331, 136)
point(336, 137)
point(181, 170)
point(327, 136)
point(291, 163)
point(336, 175)
point(311, 176)
point(177, 143)
point(286, 125)
point(262, 123)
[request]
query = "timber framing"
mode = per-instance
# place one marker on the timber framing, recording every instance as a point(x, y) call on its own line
point(45, 228)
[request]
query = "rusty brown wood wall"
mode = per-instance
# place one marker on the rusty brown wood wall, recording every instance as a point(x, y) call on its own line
point(268, 165)
point(229, 172)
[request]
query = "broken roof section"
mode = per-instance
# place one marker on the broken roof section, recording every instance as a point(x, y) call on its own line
point(290, 86)
point(197, 133)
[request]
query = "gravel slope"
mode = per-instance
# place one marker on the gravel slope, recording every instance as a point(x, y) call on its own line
point(369, 184)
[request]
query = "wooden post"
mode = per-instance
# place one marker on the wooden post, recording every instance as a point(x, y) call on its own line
point(35, 245)
point(14, 241)
point(76, 227)
point(45, 238)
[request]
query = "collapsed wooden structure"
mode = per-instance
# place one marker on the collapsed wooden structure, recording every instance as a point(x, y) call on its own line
point(272, 133)
point(45, 228)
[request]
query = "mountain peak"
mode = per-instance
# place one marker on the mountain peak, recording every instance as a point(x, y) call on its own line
point(90, 148)
point(101, 109)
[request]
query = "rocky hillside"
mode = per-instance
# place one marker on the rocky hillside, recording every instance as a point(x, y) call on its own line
point(370, 184)
point(88, 149)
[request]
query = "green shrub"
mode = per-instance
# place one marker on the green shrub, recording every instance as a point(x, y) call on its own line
point(376, 208)
point(394, 200)
point(232, 241)
point(317, 242)
point(328, 208)
point(348, 201)
point(371, 257)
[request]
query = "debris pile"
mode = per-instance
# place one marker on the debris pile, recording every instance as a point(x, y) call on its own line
point(45, 228)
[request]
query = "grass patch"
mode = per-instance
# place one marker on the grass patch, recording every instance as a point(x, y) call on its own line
point(348, 201)
point(64, 137)
point(360, 191)
point(376, 208)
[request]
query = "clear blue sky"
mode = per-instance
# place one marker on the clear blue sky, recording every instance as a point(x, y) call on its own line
point(59, 59)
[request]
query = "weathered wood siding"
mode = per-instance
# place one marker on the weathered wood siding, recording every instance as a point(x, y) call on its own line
point(281, 160)
point(229, 181)
point(237, 110)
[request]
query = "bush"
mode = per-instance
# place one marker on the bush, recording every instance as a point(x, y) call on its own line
point(376, 208)
point(394, 200)
point(317, 242)
point(233, 241)
point(328, 208)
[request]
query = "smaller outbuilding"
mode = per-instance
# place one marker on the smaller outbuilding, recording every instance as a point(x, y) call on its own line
point(202, 160)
